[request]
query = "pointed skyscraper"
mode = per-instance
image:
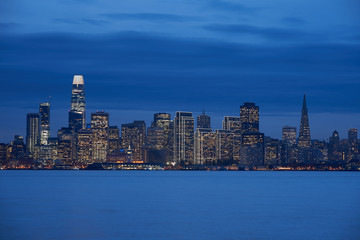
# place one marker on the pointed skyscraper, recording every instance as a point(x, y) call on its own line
point(304, 134)
point(77, 111)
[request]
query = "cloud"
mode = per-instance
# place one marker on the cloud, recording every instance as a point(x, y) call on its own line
point(97, 22)
point(219, 5)
point(271, 33)
point(293, 21)
point(155, 17)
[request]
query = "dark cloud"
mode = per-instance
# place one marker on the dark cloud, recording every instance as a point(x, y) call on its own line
point(278, 34)
point(155, 17)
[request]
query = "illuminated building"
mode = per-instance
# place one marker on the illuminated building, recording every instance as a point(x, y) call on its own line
point(5, 153)
point(252, 148)
point(224, 146)
point(163, 120)
point(203, 121)
point(44, 111)
point(114, 138)
point(18, 147)
point(304, 141)
point(334, 147)
point(289, 135)
point(204, 146)
point(155, 138)
point(84, 146)
point(319, 151)
point(32, 132)
point(233, 124)
point(352, 144)
point(249, 117)
point(273, 152)
point(66, 146)
point(133, 138)
point(184, 138)
point(100, 141)
point(77, 110)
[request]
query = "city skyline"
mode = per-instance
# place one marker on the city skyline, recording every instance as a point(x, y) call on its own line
point(140, 57)
point(216, 119)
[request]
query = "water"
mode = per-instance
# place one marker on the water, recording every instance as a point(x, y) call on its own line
point(179, 205)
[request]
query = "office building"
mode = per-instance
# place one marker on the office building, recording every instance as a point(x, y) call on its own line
point(289, 135)
point(133, 138)
point(249, 117)
point(32, 132)
point(184, 138)
point(44, 111)
point(204, 146)
point(77, 110)
point(100, 129)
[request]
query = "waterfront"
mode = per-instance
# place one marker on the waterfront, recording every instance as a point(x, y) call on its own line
point(179, 205)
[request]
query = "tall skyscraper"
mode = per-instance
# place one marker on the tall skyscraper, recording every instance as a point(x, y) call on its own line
point(84, 146)
point(224, 146)
point(32, 132)
point(204, 146)
point(77, 110)
point(100, 129)
point(304, 133)
point(352, 144)
point(334, 147)
point(44, 111)
point(289, 135)
point(163, 120)
point(249, 117)
point(133, 138)
point(114, 138)
point(184, 138)
point(203, 121)
point(66, 147)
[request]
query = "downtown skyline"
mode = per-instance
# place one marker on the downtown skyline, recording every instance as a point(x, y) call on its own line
point(140, 57)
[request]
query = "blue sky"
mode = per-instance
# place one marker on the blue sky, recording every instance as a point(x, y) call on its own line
point(141, 57)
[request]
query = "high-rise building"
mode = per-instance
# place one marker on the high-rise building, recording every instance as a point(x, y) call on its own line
point(114, 138)
point(252, 148)
point(204, 146)
point(77, 110)
point(304, 141)
point(289, 135)
point(32, 132)
point(352, 144)
point(163, 120)
point(273, 152)
point(133, 138)
point(184, 138)
point(249, 117)
point(18, 147)
point(334, 147)
point(203, 121)
point(66, 147)
point(155, 138)
point(100, 129)
point(84, 146)
point(44, 111)
point(232, 124)
point(224, 146)
point(304, 133)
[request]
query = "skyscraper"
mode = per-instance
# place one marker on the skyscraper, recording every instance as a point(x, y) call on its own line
point(84, 146)
point(304, 141)
point(224, 146)
point(32, 132)
point(184, 137)
point(232, 123)
point(252, 148)
point(114, 138)
point(44, 111)
point(100, 129)
point(249, 117)
point(289, 135)
point(204, 146)
point(304, 133)
point(133, 138)
point(352, 144)
point(77, 110)
point(203, 121)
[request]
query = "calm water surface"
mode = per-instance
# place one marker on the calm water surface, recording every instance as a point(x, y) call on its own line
point(179, 205)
